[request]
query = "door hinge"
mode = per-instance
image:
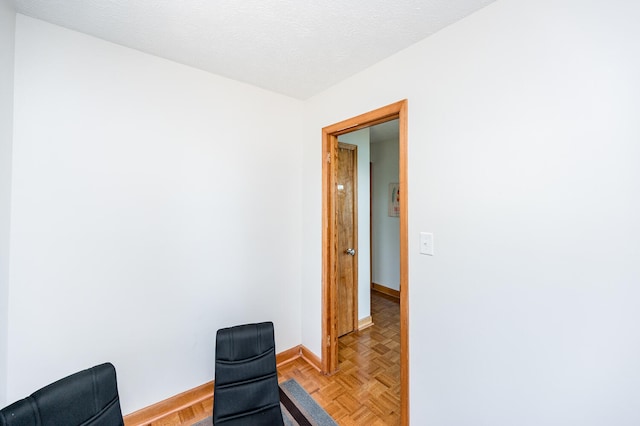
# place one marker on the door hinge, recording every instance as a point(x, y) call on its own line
point(328, 157)
point(328, 340)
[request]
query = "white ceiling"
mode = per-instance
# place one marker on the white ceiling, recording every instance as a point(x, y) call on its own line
point(294, 47)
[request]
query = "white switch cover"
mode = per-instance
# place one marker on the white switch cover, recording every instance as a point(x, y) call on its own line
point(426, 243)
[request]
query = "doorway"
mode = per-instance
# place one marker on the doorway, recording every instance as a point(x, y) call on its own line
point(330, 249)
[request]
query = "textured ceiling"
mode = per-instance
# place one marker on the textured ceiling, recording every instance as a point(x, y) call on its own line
point(294, 47)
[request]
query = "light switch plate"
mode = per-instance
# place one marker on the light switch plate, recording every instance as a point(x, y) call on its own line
point(426, 243)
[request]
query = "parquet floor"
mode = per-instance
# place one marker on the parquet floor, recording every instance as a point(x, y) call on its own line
point(365, 390)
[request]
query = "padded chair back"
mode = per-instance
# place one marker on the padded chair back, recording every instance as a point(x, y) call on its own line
point(246, 384)
point(87, 398)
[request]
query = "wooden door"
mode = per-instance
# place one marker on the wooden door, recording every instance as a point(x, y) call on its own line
point(346, 230)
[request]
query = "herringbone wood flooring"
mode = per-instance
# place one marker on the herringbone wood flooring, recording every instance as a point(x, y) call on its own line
point(365, 390)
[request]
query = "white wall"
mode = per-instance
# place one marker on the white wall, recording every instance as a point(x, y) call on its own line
point(523, 162)
point(523, 156)
point(360, 138)
point(152, 204)
point(7, 36)
point(385, 270)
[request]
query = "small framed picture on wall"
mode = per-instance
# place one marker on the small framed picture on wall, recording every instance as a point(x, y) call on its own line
point(394, 199)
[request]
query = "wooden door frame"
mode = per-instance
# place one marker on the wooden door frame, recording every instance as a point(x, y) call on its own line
point(329, 342)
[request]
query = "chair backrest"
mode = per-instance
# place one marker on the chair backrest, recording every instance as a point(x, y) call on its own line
point(87, 398)
point(246, 379)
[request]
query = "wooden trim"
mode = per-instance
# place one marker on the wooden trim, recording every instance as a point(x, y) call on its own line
point(404, 263)
point(169, 406)
point(329, 338)
point(368, 119)
point(176, 403)
point(310, 358)
point(385, 290)
point(365, 322)
point(329, 342)
point(330, 265)
point(288, 355)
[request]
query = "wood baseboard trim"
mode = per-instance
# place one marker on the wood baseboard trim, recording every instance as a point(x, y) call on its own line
point(385, 290)
point(169, 406)
point(365, 323)
point(311, 358)
point(176, 403)
point(288, 355)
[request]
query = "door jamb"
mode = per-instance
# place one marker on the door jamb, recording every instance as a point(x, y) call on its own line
point(329, 342)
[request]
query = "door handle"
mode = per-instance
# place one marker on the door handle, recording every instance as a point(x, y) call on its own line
point(350, 252)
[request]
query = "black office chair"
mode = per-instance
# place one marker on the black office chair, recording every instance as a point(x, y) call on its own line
point(246, 380)
point(87, 398)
